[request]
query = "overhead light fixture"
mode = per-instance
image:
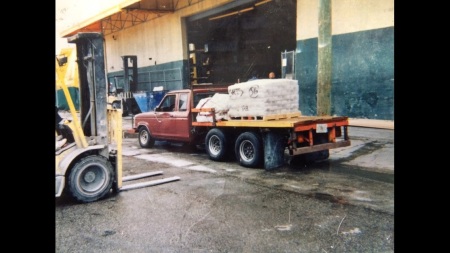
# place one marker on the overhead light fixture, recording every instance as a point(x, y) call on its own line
point(233, 13)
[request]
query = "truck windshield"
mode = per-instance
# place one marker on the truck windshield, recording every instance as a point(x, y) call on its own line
point(168, 104)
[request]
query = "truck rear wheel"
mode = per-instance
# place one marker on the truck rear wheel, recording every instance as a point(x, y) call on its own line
point(249, 150)
point(91, 178)
point(216, 144)
point(145, 138)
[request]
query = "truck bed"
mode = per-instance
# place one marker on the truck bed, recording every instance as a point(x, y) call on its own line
point(293, 120)
point(302, 128)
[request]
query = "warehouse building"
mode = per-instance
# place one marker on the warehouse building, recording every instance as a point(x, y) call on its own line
point(179, 43)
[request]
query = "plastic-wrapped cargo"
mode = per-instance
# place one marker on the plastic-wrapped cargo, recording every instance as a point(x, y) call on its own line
point(263, 97)
point(220, 104)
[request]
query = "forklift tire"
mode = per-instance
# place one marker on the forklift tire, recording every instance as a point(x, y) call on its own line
point(91, 178)
point(145, 138)
point(216, 145)
point(116, 105)
point(249, 150)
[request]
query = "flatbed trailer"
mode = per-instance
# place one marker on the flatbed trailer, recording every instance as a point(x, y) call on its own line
point(302, 129)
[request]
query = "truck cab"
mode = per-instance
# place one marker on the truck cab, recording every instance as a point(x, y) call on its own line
point(171, 120)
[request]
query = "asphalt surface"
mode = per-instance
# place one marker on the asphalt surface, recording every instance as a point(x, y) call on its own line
point(343, 204)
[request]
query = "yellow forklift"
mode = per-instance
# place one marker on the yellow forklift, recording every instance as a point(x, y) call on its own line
point(89, 164)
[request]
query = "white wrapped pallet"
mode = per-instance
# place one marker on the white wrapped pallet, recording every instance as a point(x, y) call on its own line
point(220, 104)
point(262, 97)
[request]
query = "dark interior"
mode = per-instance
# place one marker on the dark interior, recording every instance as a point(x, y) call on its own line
point(241, 43)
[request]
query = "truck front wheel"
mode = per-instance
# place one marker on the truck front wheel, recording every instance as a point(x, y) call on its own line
point(145, 138)
point(91, 178)
point(216, 144)
point(249, 150)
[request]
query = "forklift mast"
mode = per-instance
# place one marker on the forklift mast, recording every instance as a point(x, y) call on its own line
point(130, 86)
point(130, 81)
point(93, 84)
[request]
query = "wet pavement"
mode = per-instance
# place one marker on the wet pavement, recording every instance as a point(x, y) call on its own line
point(370, 158)
point(372, 148)
point(343, 204)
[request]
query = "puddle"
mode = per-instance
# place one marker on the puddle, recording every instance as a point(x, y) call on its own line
point(329, 197)
point(352, 170)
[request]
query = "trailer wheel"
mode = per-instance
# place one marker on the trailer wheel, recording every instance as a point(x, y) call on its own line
point(91, 178)
point(216, 144)
point(145, 138)
point(249, 150)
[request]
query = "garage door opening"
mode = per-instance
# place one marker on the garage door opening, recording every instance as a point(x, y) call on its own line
point(242, 42)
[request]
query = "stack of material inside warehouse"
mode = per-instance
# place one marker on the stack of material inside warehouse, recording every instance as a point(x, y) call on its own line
point(263, 97)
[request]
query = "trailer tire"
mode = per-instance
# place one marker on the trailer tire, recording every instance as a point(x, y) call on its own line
point(249, 150)
point(216, 145)
point(145, 138)
point(91, 178)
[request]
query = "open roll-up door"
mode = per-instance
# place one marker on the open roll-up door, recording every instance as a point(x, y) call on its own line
point(240, 40)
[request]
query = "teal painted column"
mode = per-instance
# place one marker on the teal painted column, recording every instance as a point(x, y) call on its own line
point(324, 68)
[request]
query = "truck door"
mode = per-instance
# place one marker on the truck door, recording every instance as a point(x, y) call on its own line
point(181, 117)
point(164, 113)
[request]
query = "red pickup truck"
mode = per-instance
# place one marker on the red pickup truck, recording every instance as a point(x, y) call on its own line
point(254, 141)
